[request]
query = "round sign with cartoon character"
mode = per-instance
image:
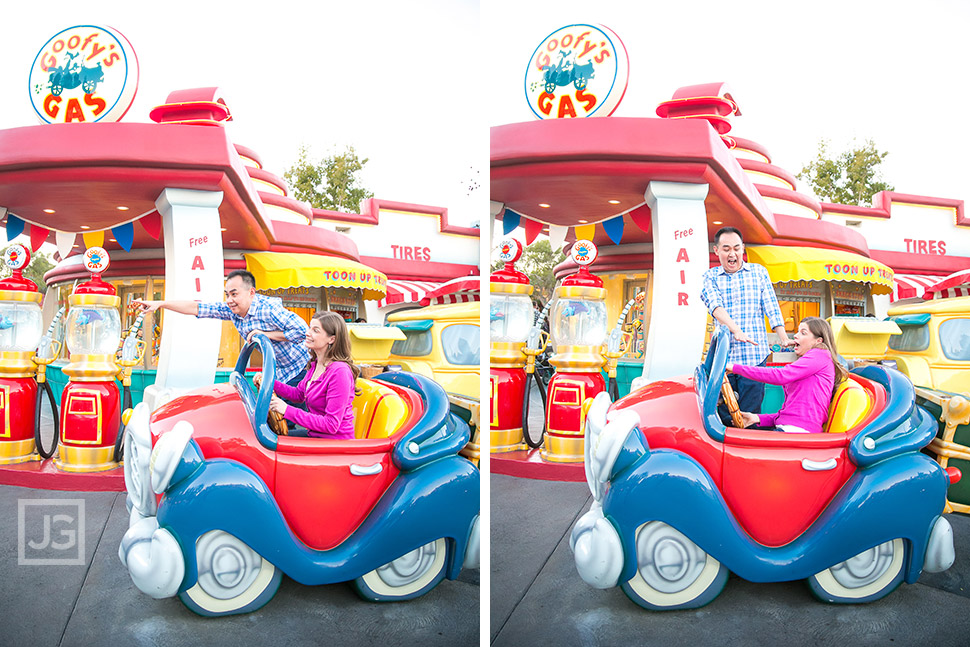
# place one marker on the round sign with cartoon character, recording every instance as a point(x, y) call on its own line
point(577, 71)
point(83, 74)
point(583, 252)
point(510, 250)
point(16, 257)
point(96, 260)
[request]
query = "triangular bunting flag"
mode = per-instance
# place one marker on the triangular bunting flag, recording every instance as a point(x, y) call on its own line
point(510, 220)
point(15, 227)
point(641, 217)
point(125, 235)
point(557, 236)
point(37, 237)
point(614, 229)
point(152, 223)
point(64, 240)
point(584, 232)
point(93, 239)
point(532, 229)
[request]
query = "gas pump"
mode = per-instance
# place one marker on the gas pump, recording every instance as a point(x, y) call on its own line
point(47, 351)
point(510, 318)
point(21, 325)
point(578, 327)
point(90, 404)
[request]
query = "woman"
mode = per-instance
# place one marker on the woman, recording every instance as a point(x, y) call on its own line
point(809, 381)
point(328, 386)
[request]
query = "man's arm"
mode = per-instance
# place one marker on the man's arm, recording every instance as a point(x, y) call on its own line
point(722, 316)
point(287, 325)
point(712, 299)
point(182, 307)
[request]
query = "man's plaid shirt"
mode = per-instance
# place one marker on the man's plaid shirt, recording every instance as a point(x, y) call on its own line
point(748, 297)
point(268, 314)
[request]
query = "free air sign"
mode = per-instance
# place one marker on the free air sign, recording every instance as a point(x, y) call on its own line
point(83, 74)
point(577, 71)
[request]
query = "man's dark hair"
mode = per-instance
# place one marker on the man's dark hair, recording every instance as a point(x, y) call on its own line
point(727, 230)
point(247, 277)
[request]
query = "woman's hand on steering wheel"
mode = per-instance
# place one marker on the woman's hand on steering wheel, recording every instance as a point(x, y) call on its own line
point(750, 419)
point(731, 401)
point(277, 405)
point(258, 380)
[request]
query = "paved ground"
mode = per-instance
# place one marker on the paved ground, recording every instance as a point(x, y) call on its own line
point(537, 598)
point(95, 603)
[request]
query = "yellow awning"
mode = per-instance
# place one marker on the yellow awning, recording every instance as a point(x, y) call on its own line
point(811, 264)
point(277, 270)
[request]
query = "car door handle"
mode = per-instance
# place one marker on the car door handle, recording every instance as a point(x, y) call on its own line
point(819, 466)
point(366, 470)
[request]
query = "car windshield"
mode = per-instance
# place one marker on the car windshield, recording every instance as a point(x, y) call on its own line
point(462, 344)
point(415, 344)
point(955, 339)
point(913, 339)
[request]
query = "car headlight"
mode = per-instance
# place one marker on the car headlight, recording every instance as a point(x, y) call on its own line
point(175, 457)
point(138, 449)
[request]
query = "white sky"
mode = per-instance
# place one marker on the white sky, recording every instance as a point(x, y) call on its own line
point(386, 77)
point(801, 71)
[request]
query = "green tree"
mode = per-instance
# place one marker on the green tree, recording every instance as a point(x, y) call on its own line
point(537, 262)
point(852, 177)
point(39, 265)
point(330, 183)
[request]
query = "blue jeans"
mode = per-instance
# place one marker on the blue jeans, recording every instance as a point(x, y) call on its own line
point(750, 395)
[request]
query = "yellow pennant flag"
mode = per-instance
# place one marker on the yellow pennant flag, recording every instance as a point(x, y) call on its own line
point(584, 232)
point(93, 239)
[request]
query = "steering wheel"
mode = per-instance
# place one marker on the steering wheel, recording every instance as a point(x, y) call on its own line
point(258, 407)
point(732, 403)
point(274, 419)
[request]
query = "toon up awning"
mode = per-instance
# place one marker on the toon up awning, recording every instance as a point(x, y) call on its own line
point(276, 270)
point(812, 264)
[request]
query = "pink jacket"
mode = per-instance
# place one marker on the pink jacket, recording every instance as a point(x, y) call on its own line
point(329, 400)
point(807, 383)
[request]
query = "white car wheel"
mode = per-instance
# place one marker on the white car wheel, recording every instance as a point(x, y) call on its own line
point(870, 575)
point(409, 576)
point(232, 577)
point(672, 571)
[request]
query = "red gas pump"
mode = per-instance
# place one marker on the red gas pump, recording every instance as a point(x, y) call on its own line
point(578, 330)
point(510, 319)
point(90, 404)
point(21, 326)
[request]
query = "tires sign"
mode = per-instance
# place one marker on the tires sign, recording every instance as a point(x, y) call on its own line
point(83, 74)
point(577, 71)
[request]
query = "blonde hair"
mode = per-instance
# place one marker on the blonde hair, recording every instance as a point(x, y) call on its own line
point(339, 351)
point(821, 329)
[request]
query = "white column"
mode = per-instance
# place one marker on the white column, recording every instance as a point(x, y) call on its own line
point(194, 271)
point(678, 319)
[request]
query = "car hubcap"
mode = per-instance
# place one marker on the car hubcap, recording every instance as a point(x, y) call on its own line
point(668, 561)
point(227, 566)
point(408, 568)
point(865, 568)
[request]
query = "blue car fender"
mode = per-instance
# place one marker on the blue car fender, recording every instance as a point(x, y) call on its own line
point(669, 486)
point(439, 499)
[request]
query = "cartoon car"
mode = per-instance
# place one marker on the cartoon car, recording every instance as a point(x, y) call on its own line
point(680, 500)
point(934, 347)
point(221, 507)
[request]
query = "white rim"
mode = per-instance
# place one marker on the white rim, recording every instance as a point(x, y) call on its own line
point(671, 569)
point(409, 573)
point(231, 574)
point(866, 574)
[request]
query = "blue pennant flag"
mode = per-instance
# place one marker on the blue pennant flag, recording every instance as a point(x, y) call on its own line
point(15, 226)
point(614, 229)
point(510, 220)
point(125, 235)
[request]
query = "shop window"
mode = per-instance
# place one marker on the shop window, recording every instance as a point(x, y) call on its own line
point(913, 339)
point(462, 344)
point(792, 312)
point(636, 319)
point(955, 339)
point(415, 344)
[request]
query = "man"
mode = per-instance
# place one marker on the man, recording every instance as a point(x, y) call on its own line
point(739, 296)
point(253, 313)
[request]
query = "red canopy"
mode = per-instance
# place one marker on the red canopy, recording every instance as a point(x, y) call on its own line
point(461, 290)
point(954, 285)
